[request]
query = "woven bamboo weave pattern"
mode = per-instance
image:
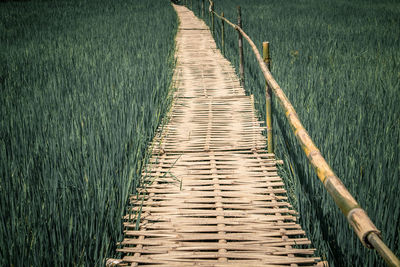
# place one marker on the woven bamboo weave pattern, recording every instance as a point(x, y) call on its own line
point(213, 195)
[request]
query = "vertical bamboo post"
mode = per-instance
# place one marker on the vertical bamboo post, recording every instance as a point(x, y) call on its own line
point(209, 14)
point(241, 57)
point(223, 33)
point(212, 17)
point(268, 102)
point(191, 4)
point(202, 9)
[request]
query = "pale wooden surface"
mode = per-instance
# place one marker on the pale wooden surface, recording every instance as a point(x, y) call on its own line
point(213, 195)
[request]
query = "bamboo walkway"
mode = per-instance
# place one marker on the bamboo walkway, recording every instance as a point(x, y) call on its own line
point(213, 197)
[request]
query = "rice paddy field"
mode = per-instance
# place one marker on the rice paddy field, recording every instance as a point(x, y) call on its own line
point(83, 86)
point(339, 64)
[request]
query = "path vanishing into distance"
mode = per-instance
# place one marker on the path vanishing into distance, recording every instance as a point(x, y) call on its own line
point(213, 197)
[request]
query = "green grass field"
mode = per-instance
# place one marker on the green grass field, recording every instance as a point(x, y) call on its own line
point(83, 84)
point(338, 62)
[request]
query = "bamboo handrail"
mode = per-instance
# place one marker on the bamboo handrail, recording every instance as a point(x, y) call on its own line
point(362, 225)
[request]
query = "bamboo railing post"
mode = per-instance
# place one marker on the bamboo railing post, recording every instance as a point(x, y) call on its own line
point(212, 18)
point(223, 34)
point(241, 57)
point(209, 14)
point(268, 102)
point(202, 9)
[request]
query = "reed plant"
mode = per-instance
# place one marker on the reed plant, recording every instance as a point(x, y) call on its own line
point(83, 86)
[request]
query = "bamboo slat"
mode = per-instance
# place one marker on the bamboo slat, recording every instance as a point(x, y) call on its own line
point(211, 195)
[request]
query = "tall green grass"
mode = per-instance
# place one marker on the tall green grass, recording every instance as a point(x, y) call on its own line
point(338, 62)
point(83, 86)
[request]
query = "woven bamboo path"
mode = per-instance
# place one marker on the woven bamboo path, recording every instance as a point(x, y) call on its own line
point(213, 194)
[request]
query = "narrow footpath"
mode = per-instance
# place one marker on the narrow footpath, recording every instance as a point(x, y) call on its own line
point(214, 197)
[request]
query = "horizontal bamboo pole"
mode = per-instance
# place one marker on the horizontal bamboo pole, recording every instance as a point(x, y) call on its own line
point(362, 225)
point(383, 250)
point(333, 184)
